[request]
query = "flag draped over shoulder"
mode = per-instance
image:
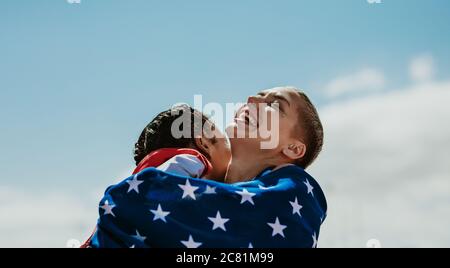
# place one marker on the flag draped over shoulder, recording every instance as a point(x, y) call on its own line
point(278, 209)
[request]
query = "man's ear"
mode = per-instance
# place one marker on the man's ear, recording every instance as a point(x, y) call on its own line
point(295, 150)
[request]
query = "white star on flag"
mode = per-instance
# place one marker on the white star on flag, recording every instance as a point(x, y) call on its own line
point(218, 221)
point(134, 184)
point(188, 189)
point(250, 245)
point(139, 237)
point(210, 190)
point(190, 243)
point(314, 237)
point(108, 208)
point(277, 227)
point(160, 214)
point(310, 188)
point(246, 196)
point(296, 207)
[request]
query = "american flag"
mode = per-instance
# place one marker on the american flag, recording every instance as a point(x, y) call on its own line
point(283, 208)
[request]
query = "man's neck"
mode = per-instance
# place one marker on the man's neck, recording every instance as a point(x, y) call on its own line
point(241, 170)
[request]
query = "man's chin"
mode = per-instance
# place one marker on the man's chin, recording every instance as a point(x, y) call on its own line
point(231, 130)
point(238, 131)
point(237, 142)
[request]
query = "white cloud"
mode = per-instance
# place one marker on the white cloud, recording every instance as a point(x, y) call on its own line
point(422, 68)
point(385, 169)
point(29, 219)
point(41, 218)
point(49, 218)
point(365, 80)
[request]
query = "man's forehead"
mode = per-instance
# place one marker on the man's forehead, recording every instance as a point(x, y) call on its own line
point(278, 90)
point(289, 93)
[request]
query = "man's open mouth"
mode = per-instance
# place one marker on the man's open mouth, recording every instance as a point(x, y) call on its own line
point(244, 115)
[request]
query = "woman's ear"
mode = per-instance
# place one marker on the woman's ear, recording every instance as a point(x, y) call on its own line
point(295, 150)
point(203, 144)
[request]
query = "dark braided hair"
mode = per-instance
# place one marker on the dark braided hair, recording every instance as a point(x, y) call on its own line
point(157, 134)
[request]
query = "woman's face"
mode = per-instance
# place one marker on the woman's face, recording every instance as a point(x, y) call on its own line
point(220, 155)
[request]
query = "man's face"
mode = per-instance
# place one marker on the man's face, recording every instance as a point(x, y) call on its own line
point(274, 110)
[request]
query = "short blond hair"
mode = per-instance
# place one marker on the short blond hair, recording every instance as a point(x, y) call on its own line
point(312, 129)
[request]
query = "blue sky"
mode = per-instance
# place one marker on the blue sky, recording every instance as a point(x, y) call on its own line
point(79, 81)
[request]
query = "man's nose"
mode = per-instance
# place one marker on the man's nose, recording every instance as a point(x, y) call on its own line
point(254, 99)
